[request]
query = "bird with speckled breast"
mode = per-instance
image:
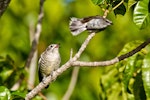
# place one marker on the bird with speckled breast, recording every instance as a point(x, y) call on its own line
point(49, 61)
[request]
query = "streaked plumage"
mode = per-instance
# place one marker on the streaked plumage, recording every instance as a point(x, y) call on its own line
point(49, 61)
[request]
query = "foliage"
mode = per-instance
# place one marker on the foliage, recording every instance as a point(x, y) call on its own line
point(141, 16)
point(133, 75)
point(146, 74)
point(5, 94)
point(128, 79)
point(9, 71)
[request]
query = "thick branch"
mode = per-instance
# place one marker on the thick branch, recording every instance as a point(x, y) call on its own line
point(35, 40)
point(59, 71)
point(98, 63)
point(3, 6)
point(122, 57)
point(112, 61)
point(37, 34)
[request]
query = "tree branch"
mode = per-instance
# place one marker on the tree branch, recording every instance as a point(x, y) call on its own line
point(34, 42)
point(112, 61)
point(37, 34)
point(60, 70)
point(106, 11)
point(3, 6)
point(117, 5)
point(98, 63)
point(122, 57)
point(33, 64)
point(72, 84)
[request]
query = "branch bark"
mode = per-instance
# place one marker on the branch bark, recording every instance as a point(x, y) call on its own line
point(33, 64)
point(37, 34)
point(114, 60)
point(72, 84)
point(3, 5)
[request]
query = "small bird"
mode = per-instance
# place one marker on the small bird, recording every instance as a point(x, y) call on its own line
point(49, 61)
point(91, 23)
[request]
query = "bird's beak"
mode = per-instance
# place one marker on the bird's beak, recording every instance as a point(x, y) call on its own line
point(57, 45)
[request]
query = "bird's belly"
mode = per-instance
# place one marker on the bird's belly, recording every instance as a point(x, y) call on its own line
point(51, 67)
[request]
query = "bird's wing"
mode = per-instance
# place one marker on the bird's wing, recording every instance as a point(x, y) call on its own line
point(39, 73)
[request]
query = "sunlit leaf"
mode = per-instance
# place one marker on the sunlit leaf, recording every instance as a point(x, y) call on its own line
point(108, 84)
point(141, 16)
point(130, 65)
point(4, 93)
point(97, 2)
point(5, 75)
point(131, 3)
point(130, 46)
point(9, 73)
point(129, 70)
point(18, 95)
point(146, 74)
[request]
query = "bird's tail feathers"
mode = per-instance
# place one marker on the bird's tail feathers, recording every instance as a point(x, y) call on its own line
point(76, 26)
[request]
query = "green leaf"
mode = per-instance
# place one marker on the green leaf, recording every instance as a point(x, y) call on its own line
point(138, 88)
point(131, 3)
point(98, 2)
point(130, 65)
point(129, 70)
point(4, 93)
point(5, 75)
point(130, 46)
point(146, 74)
point(9, 73)
point(141, 16)
point(18, 95)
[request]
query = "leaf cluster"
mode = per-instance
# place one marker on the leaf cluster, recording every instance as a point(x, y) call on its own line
point(141, 9)
point(132, 74)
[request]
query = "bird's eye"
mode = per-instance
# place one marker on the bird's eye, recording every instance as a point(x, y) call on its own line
point(51, 46)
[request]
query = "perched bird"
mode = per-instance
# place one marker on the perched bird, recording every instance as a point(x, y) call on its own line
point(92, 24)
point(49, 61)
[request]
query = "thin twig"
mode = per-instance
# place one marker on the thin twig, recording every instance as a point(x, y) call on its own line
point(117, 5)
point(105, 13)
point(73, 80)
point(72, 84)
point(71, 54)
point(41, 95)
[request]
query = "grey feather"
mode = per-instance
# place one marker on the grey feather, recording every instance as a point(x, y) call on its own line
point(49, 61)
point(92, 24)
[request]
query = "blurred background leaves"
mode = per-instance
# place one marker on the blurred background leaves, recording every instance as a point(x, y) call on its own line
point(113, 82)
